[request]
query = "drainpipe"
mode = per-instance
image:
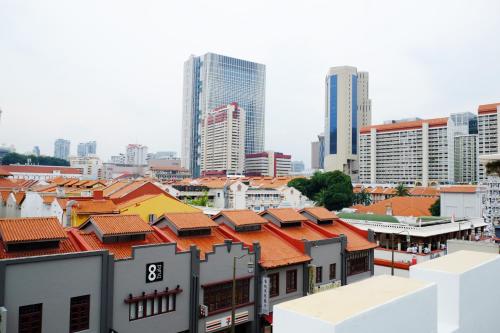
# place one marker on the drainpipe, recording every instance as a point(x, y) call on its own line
point(343, 256)
point(69, 205)
point(257, 287)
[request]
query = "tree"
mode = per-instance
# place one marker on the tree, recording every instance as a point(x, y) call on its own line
point(330, 189)
point(202, 201)
point(402, 190)
point(15, 158)
point(362, 198)
point(435, 208)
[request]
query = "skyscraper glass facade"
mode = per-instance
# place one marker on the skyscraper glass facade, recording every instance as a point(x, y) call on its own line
point(211, 81)
point(354, 115)
point(333, 115)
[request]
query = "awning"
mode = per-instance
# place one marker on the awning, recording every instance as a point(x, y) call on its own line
point(268, 318)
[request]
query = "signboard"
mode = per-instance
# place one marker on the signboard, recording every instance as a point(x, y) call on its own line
point(203, 311)
point(217, 324)
point(266, 290)
point(154, 272)
point(327, 286)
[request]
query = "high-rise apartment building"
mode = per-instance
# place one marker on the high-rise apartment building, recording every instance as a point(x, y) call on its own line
point(298, 167)
point(223, 141)
point(462, 148)
point(268, 163)
point(62, 149)
point(87, 148)
point(347, 109)
point(212, 80)
point(136, 154)
point(318, 153)
point(488, 133)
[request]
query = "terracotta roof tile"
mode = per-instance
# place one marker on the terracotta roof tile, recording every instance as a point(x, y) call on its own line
point(20, 230)
point(4, 173)
point(65, 246)
point(401, 206)
point(459, 189)
point(47, 199)
point(4, 195)
point(487, 108)
point(303, 231)
point(95, 206)
point(115, 224)
point(285, 214)
point(321, 213)
point(189, 220)
point(242, 217)
point(41, 169)
point(19, 196)
point(407, 125)
point(357, 239)
point(203, 243)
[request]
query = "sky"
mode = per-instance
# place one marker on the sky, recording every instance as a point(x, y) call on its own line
point(111, 71)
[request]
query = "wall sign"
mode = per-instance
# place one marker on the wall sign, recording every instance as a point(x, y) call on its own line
point(219, 323)
point(154, 272)
point(265, 295)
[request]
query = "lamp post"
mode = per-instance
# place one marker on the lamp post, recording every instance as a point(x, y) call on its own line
point(233, 300)
point(392, 246)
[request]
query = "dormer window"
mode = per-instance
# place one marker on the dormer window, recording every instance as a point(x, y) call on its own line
point(29, 246)
point(246, 228)
point(187, 224)
point(291, 224)
point(325, 221)
point(195, 232)
point(116, 228)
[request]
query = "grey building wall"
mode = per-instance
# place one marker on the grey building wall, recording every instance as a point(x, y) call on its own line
point(324, 253)
point(130, 278)
point(218, 267)
point(53, 281)
point(283, 295)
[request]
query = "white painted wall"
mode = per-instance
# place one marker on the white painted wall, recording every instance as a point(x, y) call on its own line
point(461, 204)
point(384, 270)
point(11, 209)
point(33, 206)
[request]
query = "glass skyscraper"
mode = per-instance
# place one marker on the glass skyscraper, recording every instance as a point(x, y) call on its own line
point(214, 80)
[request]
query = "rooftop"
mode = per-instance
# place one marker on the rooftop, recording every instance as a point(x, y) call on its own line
point(41, 169)
point(339, 304)
point(284, 214)
point(204, 243)
point(189, 220)
point(401, 206)
point(357, 239)
point(459, 189)
point(242, 217)
point(321, 213)
point(114, 224)
point(458, 262)
point(407, 125)
point(103, 206)
point(487, 108)
point(21, 230)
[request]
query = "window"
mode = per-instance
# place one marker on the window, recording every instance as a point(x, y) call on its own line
point(219, 296)
point(148, 305)
point(30, 318)
point(357, 262)
point(195, 232)
point(319, 274)
point(333, 271)
point(79, 313)
point(291, 281)
point(274, 282)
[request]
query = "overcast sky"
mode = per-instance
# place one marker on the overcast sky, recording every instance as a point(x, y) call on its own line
point(111, 71)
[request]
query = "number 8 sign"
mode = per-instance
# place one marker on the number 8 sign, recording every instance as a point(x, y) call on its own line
point(154, 272)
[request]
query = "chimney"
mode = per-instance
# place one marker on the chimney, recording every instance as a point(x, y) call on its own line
point(98, 195)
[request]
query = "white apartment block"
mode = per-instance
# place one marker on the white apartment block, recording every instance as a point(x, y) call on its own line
point(90, 165)
point(409, 152)
point(136, 154)
point(268, 163)
point(223, 141)
point(347, 109)
point(488, 133)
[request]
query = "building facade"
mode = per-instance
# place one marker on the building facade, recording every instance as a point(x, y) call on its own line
point(91, 166)
point(62, 149)
point(223, 140)
point(298, 167)
point(136, 154)
point(268, 163)
point(347, 109)
point(462, 148)
point(488, 133)
point(87, 148)
point(212, 80)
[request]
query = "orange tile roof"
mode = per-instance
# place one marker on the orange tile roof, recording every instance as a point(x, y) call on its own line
point(203, 243)
point(321, 213)
point(47, 199)
point(242, 217)
point(115, 224)
point(426, 191)
point(7, 183)
point(137, 200)
point(121, 250)
point(303, 231)
point(65, 246)
point(41, 169)
point(62, 202)
point(20, 230)
point(459, 189)
point(4, 195)
point(401, 206)
point(285, 214)
point(487, 108)
point(19, 196)
point(189, 220)
point(275, 251)
point(407, 125)
point(4, 173)
point(357, 240)
point(95, 206)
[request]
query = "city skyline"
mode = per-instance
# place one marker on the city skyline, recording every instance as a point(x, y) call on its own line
point(121, 86)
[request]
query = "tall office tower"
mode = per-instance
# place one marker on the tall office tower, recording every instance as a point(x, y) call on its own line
point(318, 153)
point(463, 150)
point(212, 80)
point(488, 133)
point(223, 141)
point(136, 154)
point(62, 149)
point(348, 108)
point(268, 163)
point(87, 148)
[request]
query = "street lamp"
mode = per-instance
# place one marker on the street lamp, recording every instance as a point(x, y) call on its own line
point(392, 246)
point(233, 303)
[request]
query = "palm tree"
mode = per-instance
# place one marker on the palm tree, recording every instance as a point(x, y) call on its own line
point(363, 198)
point(320, 198)
point(402, 190)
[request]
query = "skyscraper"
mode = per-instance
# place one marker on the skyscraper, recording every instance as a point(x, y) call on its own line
point(348, 108)
point(212, 80)
point(318, 153)
point(87, 148)
point(62, 149)
point(136, 154)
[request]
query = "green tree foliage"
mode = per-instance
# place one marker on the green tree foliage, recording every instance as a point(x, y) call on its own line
point(402, 191)
point(362, 198)
point(330, 189)
point(435, 208)
point(15, 158)
point(202, 201)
